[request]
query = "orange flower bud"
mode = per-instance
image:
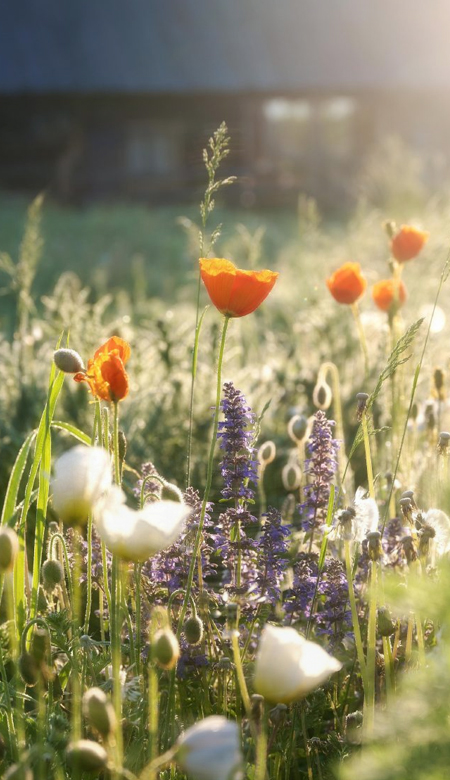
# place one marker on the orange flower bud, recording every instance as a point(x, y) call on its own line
point(347, 284)
point(389, 294)
point(234, 292)
point(408, 242)
point(105, 374)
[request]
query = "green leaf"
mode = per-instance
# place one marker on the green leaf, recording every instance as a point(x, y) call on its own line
point(12, 491)
point(73, 430)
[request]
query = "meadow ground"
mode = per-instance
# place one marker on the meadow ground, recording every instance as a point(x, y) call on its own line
point(89, 621)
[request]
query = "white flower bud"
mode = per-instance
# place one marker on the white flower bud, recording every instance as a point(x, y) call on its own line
point(137, 535)
point(82, 477)
point(210, 750)
point(288, 666)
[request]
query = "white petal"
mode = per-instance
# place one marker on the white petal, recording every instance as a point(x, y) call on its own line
point(82, 477)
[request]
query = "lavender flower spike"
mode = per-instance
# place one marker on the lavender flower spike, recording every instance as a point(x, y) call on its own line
point(239, 464)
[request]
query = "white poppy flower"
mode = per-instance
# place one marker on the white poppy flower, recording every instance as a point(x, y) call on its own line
point(288, 666)
point(82, 477)
point(210, 750)
point(137, 535)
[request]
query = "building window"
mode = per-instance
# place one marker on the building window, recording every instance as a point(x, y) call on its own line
point(336, 124)
point(287, 127)
point(153, 149)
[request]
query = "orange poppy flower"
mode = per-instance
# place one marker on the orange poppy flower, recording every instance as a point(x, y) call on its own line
point(407, 243)
point(105, 373)
point(234, 292)
point(347, 284)
point(389, 294)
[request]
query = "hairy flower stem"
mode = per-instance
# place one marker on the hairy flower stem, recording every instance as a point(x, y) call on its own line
point(368, 455)
point(240, 673)
point(261, 754)
point(115, 615)
point(362, 338)
point(209, 473)
point(369, 694)
point(355, 619)
point(196, 557)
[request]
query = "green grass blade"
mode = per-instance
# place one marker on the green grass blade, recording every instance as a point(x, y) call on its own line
point(21, 586)
point(44, 486)
point(12, 491)
point(73, 430)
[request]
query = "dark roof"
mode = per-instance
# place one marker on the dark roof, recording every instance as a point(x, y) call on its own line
point(222, 45)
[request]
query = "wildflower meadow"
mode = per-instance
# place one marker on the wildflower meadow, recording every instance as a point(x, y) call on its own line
point(225, 504)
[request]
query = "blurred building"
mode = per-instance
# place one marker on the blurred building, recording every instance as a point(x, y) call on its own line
point(116, 98)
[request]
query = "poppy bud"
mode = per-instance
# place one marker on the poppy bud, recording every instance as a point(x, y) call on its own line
point(86, 755)
point(28, 669)
point(322, 395)
point(9, 547)
point(166, 649)
point(193, 630)
point(40, 645)
point(52, 574)
point(266, 453)
point(386, 626)
point(291, 476)
point(99, 711)
point(297, 427)
point(68, 360)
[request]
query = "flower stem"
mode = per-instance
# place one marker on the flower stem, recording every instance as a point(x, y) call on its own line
point(362, 338)
point(369, 696)
point(240, 673)
point(355, 619)
point(209, 472)
point(370, 480)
